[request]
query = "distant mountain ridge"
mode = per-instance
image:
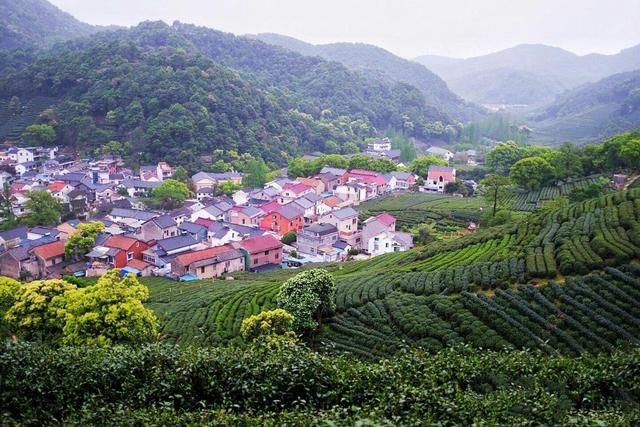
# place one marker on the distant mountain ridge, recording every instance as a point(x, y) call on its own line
point(537, 73)
point(379, 63)
point(591, 111)
point(37, 23)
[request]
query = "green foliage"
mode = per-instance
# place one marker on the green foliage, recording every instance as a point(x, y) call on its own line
point(44, 209)
point(108, 313)
point(372, 164)
point(81, 241)
point(271, 326)
point(420, 166)
point(171, 194)
point(309, 296)
point(180, 174)
point(300, 167)
point(34, 313)
point(289, 237)
point(156, 384)
point(495, 190)
point(255, 173)
point(227, 188)
point(531, 173)
point(8, 291)
point(39, 134)
point(503, 156)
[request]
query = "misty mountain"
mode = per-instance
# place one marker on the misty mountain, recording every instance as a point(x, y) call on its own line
point(381, 64)
point(527, 74)
point(37, 23)
point(591, 111)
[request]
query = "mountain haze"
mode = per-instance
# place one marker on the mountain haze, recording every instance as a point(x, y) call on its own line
point(380, 63)
point(535, 73)
point(37, 23)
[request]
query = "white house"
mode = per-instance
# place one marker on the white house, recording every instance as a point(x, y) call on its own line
point(20, 155)
point(383, 144)
point(440, 152)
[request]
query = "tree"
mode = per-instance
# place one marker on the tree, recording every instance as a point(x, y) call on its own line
point(531, 173)
point(8, 291)
point(420, 166)
point(39, 134)
point(255, 173)
point(272, 326)
point(423, 234)
point(108, 313)
point(495, 190)
point(567, 162)
point(630, 151)
point(43, 207)
point(331, 147)
point(308, 296)
point(6, 208)
point(171, 194)
point(83, 239)
point(504, 155)
point(227, 188)
point(350, 148)
point(180, 174)
point(289, 237)
point(33, 313)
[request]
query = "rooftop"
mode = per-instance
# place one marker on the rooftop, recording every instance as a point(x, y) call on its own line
point(260, 243)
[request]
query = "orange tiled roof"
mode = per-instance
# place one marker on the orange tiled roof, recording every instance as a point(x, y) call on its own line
point(120, 242)
point(50, 250)
point(190, 258)
point(56, 186)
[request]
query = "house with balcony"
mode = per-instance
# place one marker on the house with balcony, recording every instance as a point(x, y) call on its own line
point(263, 252)
point(284, 219)
point(317, 240)
point(209, 263)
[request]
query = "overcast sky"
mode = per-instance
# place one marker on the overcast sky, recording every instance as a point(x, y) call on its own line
point(409, 28)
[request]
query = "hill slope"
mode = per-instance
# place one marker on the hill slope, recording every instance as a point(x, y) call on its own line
point(592, 111)
point(379, 63)
point(544, 67)
point(179, 92)
point(37, 23)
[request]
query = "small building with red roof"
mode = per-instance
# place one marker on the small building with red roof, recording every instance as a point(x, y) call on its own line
point(124, 249)
point(294, 190)
point(210, 262)
point(48, 255)
point(283, 220)
point(261, 251)
point(438, 177)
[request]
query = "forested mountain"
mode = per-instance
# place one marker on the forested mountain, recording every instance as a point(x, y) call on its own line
point(36, 23)
point(379, 63)
point(535, 73)
point(591, 111)
point(179, 92)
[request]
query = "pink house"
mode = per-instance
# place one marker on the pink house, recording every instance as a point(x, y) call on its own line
point(245, 215)
point(438, 177)
point(294, 190)
point(262, 250)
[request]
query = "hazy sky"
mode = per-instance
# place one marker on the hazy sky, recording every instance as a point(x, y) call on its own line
point(408, 28)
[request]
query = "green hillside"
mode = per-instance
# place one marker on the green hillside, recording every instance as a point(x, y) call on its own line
point(507, 287)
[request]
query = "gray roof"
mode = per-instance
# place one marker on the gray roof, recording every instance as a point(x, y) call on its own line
point(289, 211)
point(251, 211)
point(404, 239)
point(213, 210)
point(138, 183)
point(437, 150)
point(402, 175)
point(321, 228)
point(243, 229)
point(192, 227)
point(164, 221)
point(303, 203)
point(335, 171)
point(14, 233)
point(312, 197)
point(216, 176)
point(177, 242)
point(133, 213)
point(345, 213)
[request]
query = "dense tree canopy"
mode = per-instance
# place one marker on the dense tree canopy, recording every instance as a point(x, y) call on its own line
point(420, 166)
point(171, 194)
point(44, 209)
point(83, 239)
point(531, 172)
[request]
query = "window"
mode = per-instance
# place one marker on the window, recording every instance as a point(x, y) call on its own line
point(266, 252)
point(255, 261)
point(201, 269)
point(129, 256)
point(277, 256)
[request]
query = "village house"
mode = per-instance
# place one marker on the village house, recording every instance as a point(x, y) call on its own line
point(403, 180)
point(383, 144)
point(292, 191)
point(245, 215)
point(211, 180)
point(48, 256)
point(317, 239)
point(13, 237)
point(119, 251)
point(158, 228)
point(374, 182)
point(443, 153)
point(379, 236)
point(19, 264)
point(329, 180)
point(307, 207)
point(241, 197)
point(209, 263)
point(351, 194)
point(284, 219)
point(262, 252)
point(197, 231)
point(346, 221)
point(138, 188)
point(20, 155)
point(438, 177)
point(317, 184)
point(162, 253)
point(60, 191)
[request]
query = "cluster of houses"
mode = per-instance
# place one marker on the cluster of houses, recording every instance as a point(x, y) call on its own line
point(211, 235)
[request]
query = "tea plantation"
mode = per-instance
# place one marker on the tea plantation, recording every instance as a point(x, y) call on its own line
point(562, 282)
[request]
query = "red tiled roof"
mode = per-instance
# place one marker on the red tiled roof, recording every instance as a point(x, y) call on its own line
point(386, 219)
point(120, 242)
point(447, 173)
point(297, 187)
point(191, 257)
point(50, 250)
point(367, 177)
point(138, 264)
point(270, 206)
point(260, 243)
point(331, 201)
point(56, 186)
point(205, 222)
point(363, 172)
